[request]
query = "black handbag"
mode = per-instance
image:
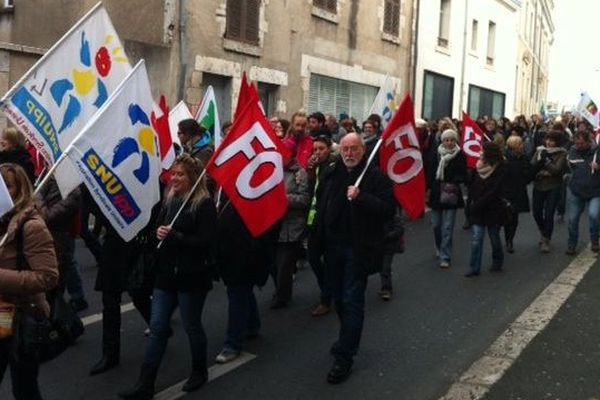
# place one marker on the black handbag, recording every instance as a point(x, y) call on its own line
point(449, 194)
point(38, 338)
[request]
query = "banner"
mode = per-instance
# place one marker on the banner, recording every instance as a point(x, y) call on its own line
point(118, 158)
point(385, 102)
point(208, 116)
point(400, 158)
point(53, 101)
point(249, 167)
point(588, 109)
point(471, 140)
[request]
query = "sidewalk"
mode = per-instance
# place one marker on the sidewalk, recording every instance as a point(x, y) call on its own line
point(563, 361)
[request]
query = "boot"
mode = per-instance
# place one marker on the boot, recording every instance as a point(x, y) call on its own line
point(196, 380)
point(144, 387)
point(104, 364)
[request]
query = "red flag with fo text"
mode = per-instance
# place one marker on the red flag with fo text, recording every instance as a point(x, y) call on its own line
point(160, 123)
point(471, 140)
point(400, 158)
point(249, 166)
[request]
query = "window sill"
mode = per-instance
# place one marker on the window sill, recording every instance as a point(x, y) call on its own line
point(326, 15)
point(473, 54)
point(241, 47)
point(443, 50)
point(388, 37)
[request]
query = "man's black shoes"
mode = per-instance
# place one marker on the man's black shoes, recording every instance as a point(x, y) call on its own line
point(339, 372)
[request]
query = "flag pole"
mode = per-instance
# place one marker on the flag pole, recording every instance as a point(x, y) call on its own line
point(185, 201)
point(369, 161)
point(50, 172)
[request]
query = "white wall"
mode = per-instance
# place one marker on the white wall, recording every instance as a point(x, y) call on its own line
point(499, 77)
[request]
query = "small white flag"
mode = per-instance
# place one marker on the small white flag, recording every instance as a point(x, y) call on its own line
point(6, 203)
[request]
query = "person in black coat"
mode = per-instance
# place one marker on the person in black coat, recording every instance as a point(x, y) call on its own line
point(184, 273)
point(447, 169)
point(13, 150)
point(350, 222)
point(486, 207)
point(518, 176)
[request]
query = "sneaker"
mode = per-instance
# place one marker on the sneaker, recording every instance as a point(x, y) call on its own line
point(339, 372)
point(595, 247)
point(385, 295)
point(226, 356)
point(545, 246)
point(510, 248)
point(444, 265)
point(320, 310)
point(570, 251)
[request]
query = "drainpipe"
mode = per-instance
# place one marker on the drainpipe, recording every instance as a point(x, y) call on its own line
point(464, 61)
point(415, 48)
point(182, 48)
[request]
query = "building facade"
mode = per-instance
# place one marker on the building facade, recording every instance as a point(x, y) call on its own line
point(466, 58)
point(327, 55)
point(536, 35)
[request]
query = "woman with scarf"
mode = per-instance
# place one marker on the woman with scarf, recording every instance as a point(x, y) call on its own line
point(549, 164)
point(518, 175)
point(447, 170)
point(487, 208)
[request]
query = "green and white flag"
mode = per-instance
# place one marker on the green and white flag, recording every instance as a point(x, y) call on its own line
point(208, 116)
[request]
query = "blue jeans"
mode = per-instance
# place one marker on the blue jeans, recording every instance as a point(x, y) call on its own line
point(243, 317)
point(477, 246)
point(190, 307)
point(348, 280)
point(443, 228)
point(576, 205)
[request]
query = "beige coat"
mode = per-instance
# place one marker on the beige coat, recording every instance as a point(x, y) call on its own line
point(27, 288)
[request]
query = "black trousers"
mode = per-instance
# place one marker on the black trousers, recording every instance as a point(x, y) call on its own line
point(24, 373)
point(111, 318)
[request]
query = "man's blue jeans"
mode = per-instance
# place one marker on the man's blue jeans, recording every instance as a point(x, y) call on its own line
point(348, 280)
point(443, 228)
point(243, 317)
point(477, 246)
point(576, 205)
point(190, 307)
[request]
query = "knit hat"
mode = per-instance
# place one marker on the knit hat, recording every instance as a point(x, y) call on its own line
point(450, 134)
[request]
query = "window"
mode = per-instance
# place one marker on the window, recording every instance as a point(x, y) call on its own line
point(438, 95)
point(222, 87)
point(329, 5)
point(391, 17)
point(474, 28)
point(444, 26)
point(336, 96)
point(9, 3)
point(242, 20)
point(268, 96)
point(485, 102)
point(491, 47)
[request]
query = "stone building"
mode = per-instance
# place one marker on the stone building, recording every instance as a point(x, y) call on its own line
point(536, 35)
point(323, 55)
point(466, 58)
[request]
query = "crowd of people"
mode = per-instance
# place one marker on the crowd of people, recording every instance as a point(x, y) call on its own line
point(345, 232)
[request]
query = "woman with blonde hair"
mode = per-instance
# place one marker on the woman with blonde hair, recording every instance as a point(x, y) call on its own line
point(28, 269)
point(183, 275)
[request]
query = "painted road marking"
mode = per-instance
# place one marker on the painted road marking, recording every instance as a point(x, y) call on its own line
point(91, 319)
point(174, 392)
point(497, 359)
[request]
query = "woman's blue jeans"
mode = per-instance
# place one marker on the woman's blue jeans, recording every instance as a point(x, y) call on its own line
point(191, 305)
point(477, 246)
point(442, 222)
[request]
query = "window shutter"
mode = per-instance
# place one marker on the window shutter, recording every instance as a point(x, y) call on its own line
point(391, 17)
point(251, 20)
point(234, 19)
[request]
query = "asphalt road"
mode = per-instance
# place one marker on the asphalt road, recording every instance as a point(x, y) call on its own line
point(414, 347)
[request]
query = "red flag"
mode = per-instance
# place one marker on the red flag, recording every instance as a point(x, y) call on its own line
point(161, 127)
point(249, 167)
point(471, 140)
point(400, 158)
point(246, 95)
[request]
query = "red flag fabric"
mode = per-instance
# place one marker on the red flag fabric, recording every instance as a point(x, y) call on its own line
point(471, 140)
point(165, 140)
point(249, 166)
point(400, 158)
point(247, 94)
